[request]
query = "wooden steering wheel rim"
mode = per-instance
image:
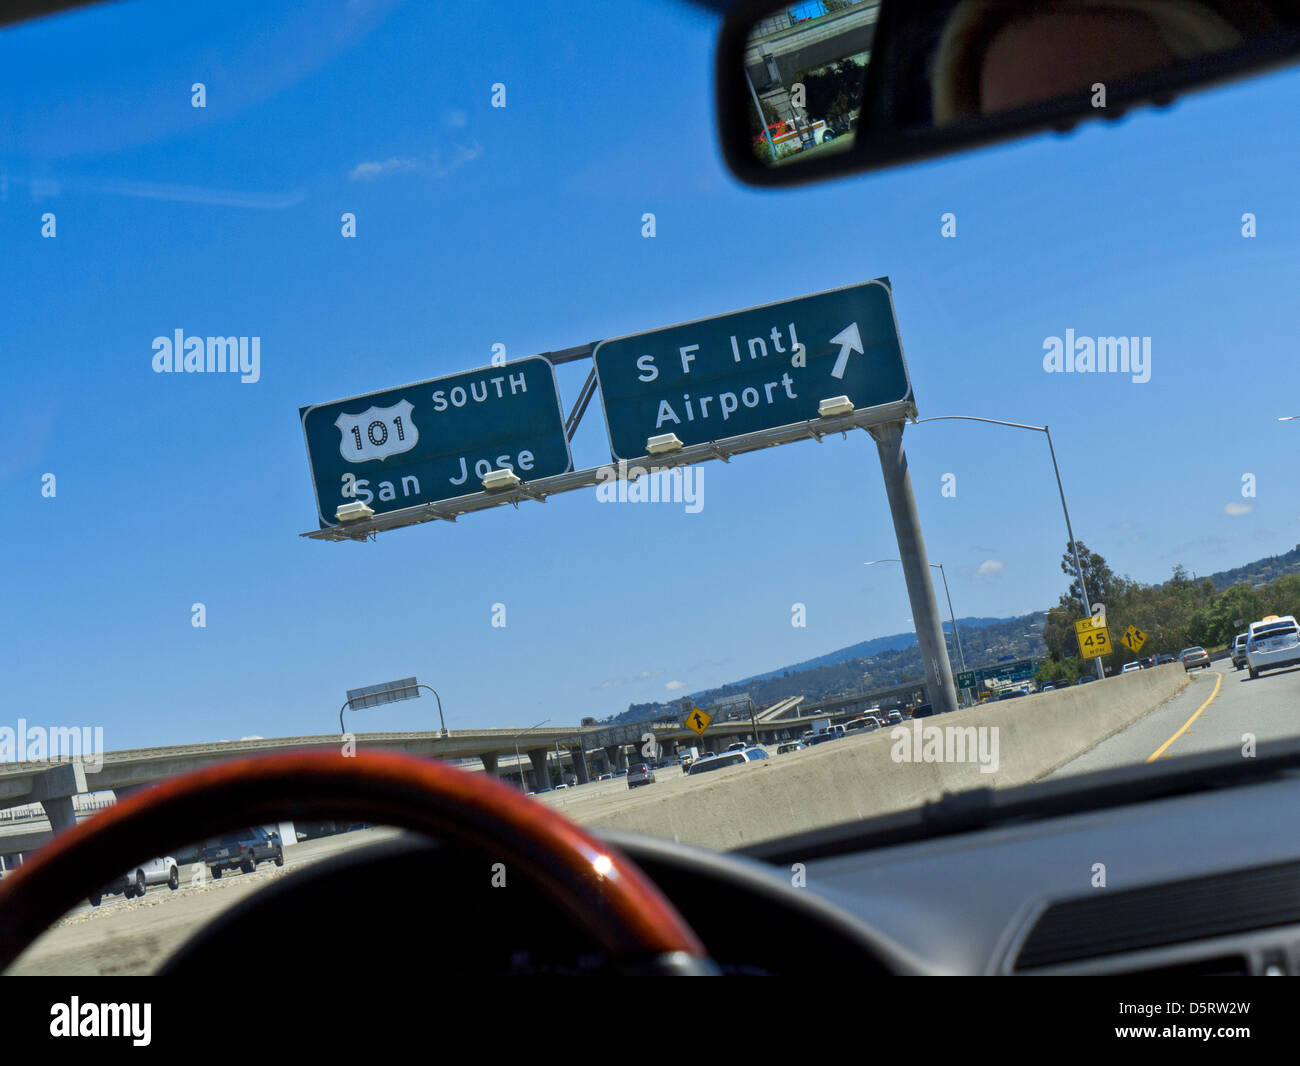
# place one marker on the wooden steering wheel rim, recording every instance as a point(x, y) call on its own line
point(603, 890)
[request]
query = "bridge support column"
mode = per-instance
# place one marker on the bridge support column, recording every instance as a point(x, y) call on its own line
point(580, 764)
point(541, 778)
point(489, 763)
point(612, 754)
point(54, 788)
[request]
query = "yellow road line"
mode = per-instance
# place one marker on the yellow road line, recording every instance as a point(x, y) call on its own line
point(1160, 750)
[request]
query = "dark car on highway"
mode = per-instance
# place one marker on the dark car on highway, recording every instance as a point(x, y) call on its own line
point(243, 851)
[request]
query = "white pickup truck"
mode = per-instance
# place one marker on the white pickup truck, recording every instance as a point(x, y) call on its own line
point(134, 882)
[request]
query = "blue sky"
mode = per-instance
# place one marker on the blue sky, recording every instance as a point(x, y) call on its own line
point(522, 226)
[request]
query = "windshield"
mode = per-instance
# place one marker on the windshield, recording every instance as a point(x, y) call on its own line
point(227, 226)
point(1281, 629)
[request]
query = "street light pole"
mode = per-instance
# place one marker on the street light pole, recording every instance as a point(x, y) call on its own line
point(955, 634)
point(1074, 547)
point(762, 118)
point(951, 615)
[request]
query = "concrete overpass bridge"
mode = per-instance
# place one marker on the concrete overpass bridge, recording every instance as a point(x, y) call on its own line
point(779, 53)
point(60, 789)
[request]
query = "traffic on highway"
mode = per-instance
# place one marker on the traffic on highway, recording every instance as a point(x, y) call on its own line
point(446, 530)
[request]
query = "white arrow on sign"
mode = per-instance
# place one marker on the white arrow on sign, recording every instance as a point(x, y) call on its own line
point(849, 340)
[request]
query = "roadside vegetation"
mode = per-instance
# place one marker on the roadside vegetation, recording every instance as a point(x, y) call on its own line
point(1176, 614)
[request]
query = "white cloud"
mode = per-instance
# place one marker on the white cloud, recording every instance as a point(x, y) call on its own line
point(463, 153)
point(613, 683)
point(439, 163)
point(673, 686)
point(1238, 508)
point(989, 567)
point(373, 169)
point(191, 194)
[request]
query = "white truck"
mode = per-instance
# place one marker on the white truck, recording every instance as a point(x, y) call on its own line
point(134, 882)
point(821, 725)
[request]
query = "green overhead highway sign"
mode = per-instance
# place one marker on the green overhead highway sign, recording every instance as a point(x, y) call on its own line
point(750, 371)
point(1018, 671)
point(435, 440)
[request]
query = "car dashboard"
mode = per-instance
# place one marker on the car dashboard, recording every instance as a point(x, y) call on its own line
point(1192, 884)
point(1186, 884)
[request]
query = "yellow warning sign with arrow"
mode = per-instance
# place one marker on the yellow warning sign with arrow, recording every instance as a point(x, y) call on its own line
point(698, 721)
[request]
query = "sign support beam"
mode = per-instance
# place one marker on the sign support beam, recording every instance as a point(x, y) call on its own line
point(916, 567)
point(540, 489)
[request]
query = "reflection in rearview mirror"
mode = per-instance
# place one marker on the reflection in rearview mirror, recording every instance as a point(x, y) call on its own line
point(948, 74)
point(806, 66)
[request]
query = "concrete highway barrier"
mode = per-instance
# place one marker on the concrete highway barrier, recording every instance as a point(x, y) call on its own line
point(996, 744)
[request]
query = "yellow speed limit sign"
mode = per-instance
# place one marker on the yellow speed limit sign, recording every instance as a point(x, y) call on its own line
point(1094, 641)
point(1133, 639)
point(698, 721)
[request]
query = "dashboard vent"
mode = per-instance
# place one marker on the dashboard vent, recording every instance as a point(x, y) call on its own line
point(1109, 923)
point(1217, 966)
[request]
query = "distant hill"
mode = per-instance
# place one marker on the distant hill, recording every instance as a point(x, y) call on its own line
point(865, 650)
point(887, 661)
point(1258, 572)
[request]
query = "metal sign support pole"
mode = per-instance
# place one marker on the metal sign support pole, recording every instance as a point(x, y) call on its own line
point(916, 567)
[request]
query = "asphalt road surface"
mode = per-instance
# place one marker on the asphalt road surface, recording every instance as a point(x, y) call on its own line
point(135, 936)
point(1219, 711)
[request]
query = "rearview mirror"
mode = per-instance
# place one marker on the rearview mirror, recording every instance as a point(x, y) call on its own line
point(822, 88)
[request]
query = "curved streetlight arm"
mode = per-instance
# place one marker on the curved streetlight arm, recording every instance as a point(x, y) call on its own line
point(441, 719)
point(974, 418)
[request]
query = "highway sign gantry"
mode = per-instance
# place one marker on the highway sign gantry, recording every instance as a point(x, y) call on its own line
point(1094, 640)
point(751, 371)
point(1133, 639)
point(435, 440)
point(1020, 670)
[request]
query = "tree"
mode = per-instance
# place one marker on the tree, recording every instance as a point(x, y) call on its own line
point(834, 91)
point(1104, 586)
